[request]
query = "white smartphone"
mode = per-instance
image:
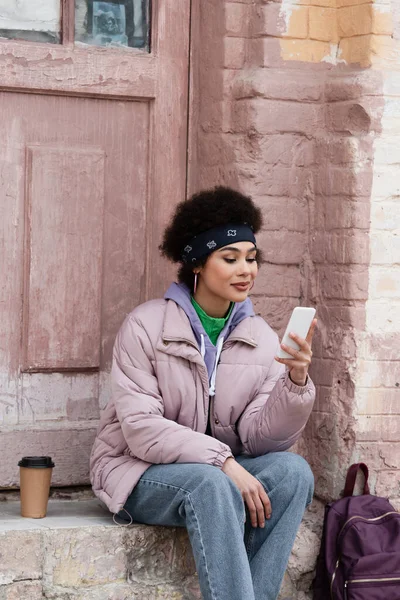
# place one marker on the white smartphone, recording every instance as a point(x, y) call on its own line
point(299, 323)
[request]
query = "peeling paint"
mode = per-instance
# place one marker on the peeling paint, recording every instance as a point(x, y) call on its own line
point(334, 57)
point(285, 12)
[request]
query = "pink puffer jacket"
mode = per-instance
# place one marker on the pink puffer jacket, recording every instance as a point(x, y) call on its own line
point(160, 398)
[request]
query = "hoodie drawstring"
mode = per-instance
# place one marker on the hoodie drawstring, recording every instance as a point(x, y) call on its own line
point(214, 373)
point(202, 346)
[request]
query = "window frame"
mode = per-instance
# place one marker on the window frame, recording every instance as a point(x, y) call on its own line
point(67, 30)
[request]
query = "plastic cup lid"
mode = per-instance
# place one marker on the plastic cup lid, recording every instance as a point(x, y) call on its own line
point(36, 462)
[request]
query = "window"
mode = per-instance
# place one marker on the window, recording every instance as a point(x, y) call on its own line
point(35, 20)
point(116, 23)
point(111, 23)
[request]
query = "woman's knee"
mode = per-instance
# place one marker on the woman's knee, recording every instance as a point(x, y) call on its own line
point(214, 478)
point(301, 471)
point(213, 486)
point(299, 467)
point(293, 470)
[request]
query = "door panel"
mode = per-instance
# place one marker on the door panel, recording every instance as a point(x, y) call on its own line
point(93, 163)
point(81, 194)
point(63, 249)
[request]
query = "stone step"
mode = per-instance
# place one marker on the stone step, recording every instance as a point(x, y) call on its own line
point(78, 553)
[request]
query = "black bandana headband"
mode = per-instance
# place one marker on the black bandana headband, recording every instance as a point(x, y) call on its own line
point(207, 242)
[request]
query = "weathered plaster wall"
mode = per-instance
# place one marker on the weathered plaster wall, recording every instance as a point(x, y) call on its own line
point(284, 114)
point(250, 136)
point(334, 31)
point(341, 250)
point(377, 376)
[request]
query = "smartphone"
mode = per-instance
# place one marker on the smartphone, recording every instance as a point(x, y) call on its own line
point(299, 323)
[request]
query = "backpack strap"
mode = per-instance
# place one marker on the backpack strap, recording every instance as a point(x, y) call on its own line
point(351, 479)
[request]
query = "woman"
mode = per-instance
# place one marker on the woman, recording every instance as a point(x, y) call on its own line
point(202, 410)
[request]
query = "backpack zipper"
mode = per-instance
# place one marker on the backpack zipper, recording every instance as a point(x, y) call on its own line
point(393, 512)
point(375, 580)
point(333, 577)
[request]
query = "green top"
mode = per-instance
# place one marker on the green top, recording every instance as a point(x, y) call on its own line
point(212, 325)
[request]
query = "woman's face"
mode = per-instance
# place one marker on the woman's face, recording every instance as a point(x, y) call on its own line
point(228, 274)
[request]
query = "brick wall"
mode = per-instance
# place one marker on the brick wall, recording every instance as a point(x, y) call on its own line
point(281, 116)
point(334, 31)
point(249, 137)
point(378, 368)
point(341, 256)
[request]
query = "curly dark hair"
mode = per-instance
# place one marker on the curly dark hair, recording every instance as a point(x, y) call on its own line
point(203, 211)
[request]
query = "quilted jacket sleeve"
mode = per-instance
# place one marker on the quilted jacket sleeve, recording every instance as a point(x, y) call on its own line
point(139, 406)
point(277, 415)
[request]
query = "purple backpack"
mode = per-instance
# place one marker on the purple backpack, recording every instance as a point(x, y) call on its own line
point(359, 557)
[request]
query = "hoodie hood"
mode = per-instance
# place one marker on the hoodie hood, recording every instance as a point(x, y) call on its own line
point(180, 293)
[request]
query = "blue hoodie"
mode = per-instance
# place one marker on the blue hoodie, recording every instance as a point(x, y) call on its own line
point(180, 293)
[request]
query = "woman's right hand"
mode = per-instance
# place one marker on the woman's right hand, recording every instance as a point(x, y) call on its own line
point(253, 493)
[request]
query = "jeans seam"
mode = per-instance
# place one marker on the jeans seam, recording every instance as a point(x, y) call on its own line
point(250, 541)
point(165, 485)
point(202, 547)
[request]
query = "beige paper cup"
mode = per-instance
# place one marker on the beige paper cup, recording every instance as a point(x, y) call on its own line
point(35, 479)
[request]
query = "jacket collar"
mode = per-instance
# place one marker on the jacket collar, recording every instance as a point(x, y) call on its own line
point(177, 328)
point(246, 332)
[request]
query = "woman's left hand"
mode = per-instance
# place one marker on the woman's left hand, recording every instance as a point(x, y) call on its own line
point(299, 364)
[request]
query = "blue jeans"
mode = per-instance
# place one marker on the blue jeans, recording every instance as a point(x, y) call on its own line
point(234, 560)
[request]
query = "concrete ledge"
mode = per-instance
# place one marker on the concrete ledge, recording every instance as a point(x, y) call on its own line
point(78, 553)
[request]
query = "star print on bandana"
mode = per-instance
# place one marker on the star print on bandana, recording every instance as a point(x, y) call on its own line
point(206, 242)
